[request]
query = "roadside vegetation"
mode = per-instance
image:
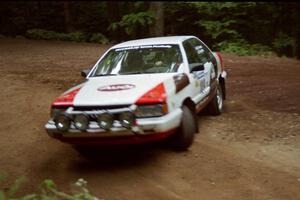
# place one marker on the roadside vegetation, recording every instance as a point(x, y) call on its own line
point(243, 28)
point(46, 191)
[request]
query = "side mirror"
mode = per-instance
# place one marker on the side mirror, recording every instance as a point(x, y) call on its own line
point(198, 68)
point(85, 72)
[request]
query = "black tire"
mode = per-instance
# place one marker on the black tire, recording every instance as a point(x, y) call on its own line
point(215, 107)
point(184, 136)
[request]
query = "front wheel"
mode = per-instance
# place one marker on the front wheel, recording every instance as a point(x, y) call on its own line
point(184, 136)
point(215, 107)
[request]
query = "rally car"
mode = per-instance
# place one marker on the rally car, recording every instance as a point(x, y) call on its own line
point(140, 91)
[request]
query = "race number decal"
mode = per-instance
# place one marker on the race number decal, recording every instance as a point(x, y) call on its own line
point(199, 76)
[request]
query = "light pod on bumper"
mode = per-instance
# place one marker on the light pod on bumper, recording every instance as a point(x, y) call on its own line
point(62, 122)
point(81, 122)
point(105, 120)
point(127, 119)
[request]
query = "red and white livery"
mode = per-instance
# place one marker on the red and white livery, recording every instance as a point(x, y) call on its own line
point(140, 91)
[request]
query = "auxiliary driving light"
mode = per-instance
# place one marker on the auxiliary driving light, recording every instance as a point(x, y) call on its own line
point(105, 120)
point(127, 119)
point(62, 122)
point(81, 122)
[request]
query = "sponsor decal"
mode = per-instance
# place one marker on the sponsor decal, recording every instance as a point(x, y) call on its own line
point(116, 87)
point(143, 47)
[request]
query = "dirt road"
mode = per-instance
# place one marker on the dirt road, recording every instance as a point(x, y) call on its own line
point(252, 151)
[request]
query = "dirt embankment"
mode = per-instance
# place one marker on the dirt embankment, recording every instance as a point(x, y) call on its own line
point(252, 151)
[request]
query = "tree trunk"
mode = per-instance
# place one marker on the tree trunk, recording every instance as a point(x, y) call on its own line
point(157, 28)
point(297, 48)
point(296, 16)
point(68, 17)
point(113, 11)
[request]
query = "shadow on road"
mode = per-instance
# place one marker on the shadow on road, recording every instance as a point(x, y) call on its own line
point(117, 157)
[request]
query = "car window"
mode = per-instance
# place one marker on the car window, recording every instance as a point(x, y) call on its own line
point(191, 53)
point(140, 59)
point(202, 50)
point(204, 54)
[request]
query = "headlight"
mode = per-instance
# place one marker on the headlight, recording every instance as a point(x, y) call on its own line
point(155, 110)
point(62, 122)
point(81, 122)
point(105, 120)
point(127, 119)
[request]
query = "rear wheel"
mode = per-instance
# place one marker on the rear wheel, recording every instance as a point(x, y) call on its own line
point(184, 136)
point(215, 107)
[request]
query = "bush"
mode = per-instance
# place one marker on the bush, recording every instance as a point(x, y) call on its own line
point(284, 45)
point(243, 48)
point(47, 191)
point(133, 22)
point(40, 34)
point(75, 36)
point(99, 38)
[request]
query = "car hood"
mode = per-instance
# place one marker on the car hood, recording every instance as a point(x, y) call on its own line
point(117, 90)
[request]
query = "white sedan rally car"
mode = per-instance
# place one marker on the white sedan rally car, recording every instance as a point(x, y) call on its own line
point(140, 91)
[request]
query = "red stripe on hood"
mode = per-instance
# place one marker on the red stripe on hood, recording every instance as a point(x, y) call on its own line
point(66, 99)
point(155, 95)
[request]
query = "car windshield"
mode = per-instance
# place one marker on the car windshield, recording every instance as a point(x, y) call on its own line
point(140, 60)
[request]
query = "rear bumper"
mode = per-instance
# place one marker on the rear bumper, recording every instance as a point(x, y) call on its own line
point(146, 130)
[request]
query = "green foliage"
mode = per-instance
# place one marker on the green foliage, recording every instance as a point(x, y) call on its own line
point(40, 34)
point(133, 21)
point(16, 186)
point(272, 24)
point(74, 36)
point(99, 38)
point(283, 41)
point(47, 191)
point(218, 28)
point(221, 19)
point(223, 23)
point(243, 48)
point(219, 7)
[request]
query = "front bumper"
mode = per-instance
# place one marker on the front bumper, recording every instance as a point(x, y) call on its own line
point(145, 128)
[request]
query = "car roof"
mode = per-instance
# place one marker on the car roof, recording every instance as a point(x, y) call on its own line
point(153, 41)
